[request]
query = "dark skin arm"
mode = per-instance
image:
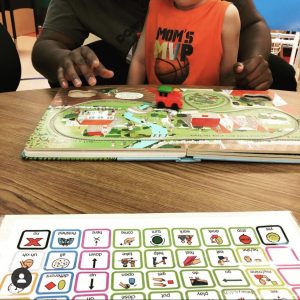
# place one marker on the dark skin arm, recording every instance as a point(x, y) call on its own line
point(255, 36)
point(58, 58)
point(67, 60)
point(255, 45)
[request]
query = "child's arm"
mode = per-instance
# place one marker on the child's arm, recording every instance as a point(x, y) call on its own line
point(137, 70)
point(230, 41)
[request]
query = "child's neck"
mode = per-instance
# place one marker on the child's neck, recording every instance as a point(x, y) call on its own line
point(185, 7)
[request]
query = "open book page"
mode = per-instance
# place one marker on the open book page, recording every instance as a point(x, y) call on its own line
point(145, 123)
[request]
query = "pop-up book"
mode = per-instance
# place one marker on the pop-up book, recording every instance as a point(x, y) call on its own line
point(165, 123)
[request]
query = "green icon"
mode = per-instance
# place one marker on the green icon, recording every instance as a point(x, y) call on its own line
point(157, 240)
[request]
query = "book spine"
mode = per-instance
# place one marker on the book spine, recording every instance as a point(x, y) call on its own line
point(24, 157)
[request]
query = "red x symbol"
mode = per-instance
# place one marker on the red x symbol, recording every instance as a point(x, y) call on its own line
point(33, 242)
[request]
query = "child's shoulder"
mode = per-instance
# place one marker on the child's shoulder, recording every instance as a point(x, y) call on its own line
point(230, 8)
point(218, 4)
point(224, 3)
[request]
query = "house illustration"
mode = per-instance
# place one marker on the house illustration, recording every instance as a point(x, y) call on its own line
point(223, 123)
point(98, 130)
point(198, 120)
point(99, 123)
point(96, 117)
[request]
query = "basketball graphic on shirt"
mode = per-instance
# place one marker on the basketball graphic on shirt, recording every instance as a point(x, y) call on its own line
point(170, 71)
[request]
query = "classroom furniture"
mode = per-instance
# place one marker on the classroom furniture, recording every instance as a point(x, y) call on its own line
point(287, 40)
point(55, 187)
point(12, 5)
point(41, 7)
point(10, 65)
point(282, 40)
point(2, 8)
point(297, 63)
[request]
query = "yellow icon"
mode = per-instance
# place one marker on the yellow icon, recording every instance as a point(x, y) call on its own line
point(273, 237)
point(219, 240)
point(61, 284)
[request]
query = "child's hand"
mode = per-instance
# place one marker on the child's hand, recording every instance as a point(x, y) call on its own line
point(253, 73)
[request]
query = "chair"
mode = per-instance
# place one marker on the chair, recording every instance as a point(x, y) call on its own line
point(286, 40)
point(2, 7)
point(282, 40)
point(12, 5)
point(297, 66)
point(10, 65)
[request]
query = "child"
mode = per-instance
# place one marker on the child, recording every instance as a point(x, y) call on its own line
point(187, 42)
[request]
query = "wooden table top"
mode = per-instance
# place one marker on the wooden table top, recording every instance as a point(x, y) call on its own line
point(55, 187)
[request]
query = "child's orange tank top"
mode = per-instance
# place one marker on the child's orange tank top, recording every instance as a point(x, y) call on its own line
point(184, 46)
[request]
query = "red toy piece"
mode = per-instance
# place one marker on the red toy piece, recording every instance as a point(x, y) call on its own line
point(166, 96)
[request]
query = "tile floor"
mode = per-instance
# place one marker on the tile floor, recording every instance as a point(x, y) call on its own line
point(30, 78)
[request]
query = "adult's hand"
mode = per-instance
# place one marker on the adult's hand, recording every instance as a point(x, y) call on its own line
point(81, 61)
point(253, 73)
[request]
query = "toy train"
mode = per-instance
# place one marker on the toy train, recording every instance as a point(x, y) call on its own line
point(168, 97)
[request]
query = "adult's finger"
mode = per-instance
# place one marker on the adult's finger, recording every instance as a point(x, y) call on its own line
point(238, 68)
point(265, 81)
point(251, 64)
point(264, 85)
point(71, 73)
point(95, 64)
point(240, 72)
point(255, 69)
point(90, 57)
point(63, 82)
point(259, 74)
point(256, 73)
point(241, 83)
point(240, 75)
point(103, 72)
point(83, 67)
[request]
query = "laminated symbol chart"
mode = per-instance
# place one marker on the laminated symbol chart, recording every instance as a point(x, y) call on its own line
point(249, 255)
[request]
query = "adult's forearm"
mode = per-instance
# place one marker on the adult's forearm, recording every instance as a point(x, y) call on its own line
point(46, 57)
point(255, 40)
